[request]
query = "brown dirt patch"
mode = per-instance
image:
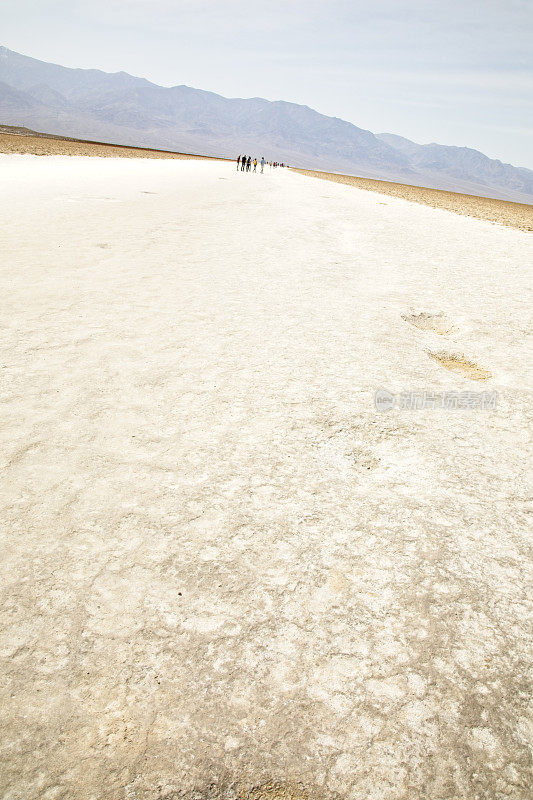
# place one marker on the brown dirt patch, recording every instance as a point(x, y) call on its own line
point(25, 141)
point(461, 366)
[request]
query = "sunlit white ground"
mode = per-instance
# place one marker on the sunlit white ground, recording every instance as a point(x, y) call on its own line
point(222, 567)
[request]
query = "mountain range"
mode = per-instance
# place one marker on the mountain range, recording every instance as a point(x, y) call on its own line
point(123, 109)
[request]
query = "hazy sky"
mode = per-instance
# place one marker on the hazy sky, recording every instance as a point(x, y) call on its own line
point(453, 71)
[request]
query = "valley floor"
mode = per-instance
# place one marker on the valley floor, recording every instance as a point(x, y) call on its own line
point(224, 572)
point(503, 212)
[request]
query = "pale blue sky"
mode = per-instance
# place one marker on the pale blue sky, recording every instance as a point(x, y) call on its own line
point(455, 71)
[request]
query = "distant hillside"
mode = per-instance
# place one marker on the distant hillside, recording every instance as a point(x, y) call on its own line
point(127, 110)
point(460, 164)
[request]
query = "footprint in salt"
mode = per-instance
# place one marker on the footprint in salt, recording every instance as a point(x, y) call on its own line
point(436, 323)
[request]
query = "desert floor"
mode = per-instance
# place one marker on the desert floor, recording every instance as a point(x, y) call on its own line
point(504, 212)
point(513, 215)
point(224, 572)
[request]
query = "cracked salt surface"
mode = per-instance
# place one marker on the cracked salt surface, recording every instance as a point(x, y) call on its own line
point(224, 573)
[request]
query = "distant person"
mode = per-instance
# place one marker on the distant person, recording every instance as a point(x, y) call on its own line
point(238, 162)
point(255, 164)
point(243, 163)
point(262, 164)
point(249, 164)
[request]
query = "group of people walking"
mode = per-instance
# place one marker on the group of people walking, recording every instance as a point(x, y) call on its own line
point(245, 164)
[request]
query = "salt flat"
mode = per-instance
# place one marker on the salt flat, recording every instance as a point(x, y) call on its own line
point(224, 572)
